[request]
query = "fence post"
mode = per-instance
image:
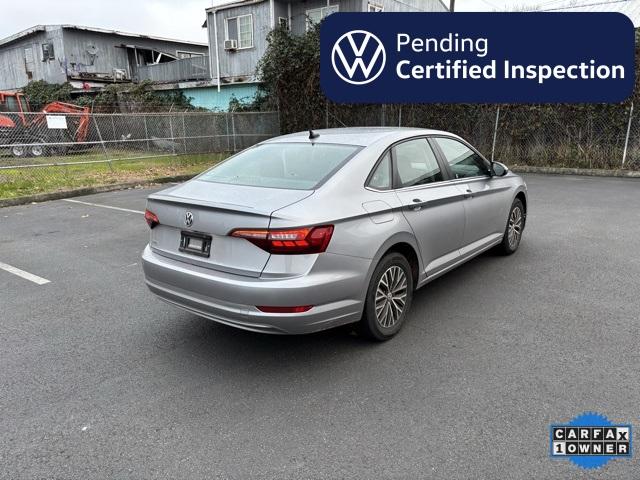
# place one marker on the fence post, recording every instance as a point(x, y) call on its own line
point(382, 114)
point(326, 114)
point(173, 140)
point(233, 131)
point(226, 121)
point(113, 128)
point(626, 140)
point(104, 148)
point(495, 134)
point(184, 134)
point(400, 116)
point(146, 132)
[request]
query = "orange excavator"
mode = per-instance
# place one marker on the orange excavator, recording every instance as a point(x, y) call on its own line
point(26, 134)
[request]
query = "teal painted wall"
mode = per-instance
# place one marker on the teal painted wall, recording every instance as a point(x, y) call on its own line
point(211, 99)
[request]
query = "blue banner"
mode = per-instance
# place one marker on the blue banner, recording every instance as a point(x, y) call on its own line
point(477, 57)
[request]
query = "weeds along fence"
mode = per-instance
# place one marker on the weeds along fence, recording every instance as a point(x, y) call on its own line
point(605, 136)
point(38, 145)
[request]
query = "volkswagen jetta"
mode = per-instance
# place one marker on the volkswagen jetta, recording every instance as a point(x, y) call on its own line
point(315, 230)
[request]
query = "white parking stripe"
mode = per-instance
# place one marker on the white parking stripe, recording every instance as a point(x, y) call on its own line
point(21, 273)
point(102, 206)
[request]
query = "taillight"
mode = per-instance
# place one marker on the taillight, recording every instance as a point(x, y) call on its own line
point(300, 309)
point(151, 218)
point(290, 241)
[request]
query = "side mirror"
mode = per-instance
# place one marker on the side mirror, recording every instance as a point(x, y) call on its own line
point(499, 169)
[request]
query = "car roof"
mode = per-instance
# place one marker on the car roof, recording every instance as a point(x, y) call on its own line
point(362, 136)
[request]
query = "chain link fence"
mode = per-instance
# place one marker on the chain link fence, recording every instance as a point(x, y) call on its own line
point(607, 136)
point(43, 151)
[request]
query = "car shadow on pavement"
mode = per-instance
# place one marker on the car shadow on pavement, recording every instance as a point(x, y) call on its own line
point(221, 345)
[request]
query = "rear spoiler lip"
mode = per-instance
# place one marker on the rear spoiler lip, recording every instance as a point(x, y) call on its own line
point(222, 206)
point(231, 207)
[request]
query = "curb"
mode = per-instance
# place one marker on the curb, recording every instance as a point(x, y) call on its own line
point(590, 172)
point(45, 197)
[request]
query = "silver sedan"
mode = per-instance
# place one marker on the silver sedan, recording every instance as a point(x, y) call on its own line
point(316, 230)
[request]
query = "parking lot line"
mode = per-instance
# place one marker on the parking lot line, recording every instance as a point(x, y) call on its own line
point(21, 273)
point(103, 206)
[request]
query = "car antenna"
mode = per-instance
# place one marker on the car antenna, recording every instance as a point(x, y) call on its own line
point(313, 135)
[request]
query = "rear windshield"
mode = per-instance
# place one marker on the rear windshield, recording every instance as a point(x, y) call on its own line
point(297, 166)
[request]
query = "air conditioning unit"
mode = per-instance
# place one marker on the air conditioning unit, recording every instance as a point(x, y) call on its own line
point(230, 44)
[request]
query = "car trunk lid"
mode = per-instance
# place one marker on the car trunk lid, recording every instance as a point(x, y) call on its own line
point(215, 210)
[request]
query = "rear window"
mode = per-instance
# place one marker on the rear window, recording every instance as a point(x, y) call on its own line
point(297, 166)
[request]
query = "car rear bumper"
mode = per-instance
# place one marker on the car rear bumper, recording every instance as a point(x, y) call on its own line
point(335, 287)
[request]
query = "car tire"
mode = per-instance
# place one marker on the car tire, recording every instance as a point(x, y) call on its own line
point(514, 229)
point(391, 286)
point(38, 150)
point(18, 151)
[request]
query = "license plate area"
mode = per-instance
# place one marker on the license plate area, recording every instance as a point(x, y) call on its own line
point(195, 243)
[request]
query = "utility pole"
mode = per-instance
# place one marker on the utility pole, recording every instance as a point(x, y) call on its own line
point(452, 6)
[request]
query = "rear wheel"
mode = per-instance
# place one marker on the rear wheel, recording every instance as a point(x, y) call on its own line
point(388, 298)
point(37, 150)
point(514, 229)
point(18, 151)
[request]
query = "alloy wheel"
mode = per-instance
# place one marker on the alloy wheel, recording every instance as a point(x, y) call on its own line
point(391, 296)
point(515, 227)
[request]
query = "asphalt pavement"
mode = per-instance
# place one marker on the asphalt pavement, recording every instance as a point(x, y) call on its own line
point(102, 380)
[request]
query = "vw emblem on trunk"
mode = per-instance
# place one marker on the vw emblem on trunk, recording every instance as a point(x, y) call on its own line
point(188, 219)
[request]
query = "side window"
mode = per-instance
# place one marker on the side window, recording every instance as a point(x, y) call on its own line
point(463, 161)
point(381, 178)
point(47, 52)
point(240, 29)
point(416, 163)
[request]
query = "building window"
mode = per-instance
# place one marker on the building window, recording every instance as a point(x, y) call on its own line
point(283, 22)
point(185, 54)
point(240, 29)
point(316, 15)
point(373, 7)
point(47, 52)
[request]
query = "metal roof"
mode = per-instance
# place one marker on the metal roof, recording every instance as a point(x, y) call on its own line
point(631, 8)
point(217, 5)
point(225, 4)
point(42, 28)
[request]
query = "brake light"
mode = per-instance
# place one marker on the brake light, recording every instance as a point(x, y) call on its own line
point(301, 309)
point(289, 241)
point(151, 218)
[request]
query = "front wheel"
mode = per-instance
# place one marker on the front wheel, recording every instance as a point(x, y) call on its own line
point(514, 229)
point(388, 298)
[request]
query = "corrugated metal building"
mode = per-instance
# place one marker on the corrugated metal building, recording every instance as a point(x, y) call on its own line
point(238, 30)
point(84, 56)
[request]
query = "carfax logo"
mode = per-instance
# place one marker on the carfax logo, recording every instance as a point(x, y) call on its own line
point(590, 440)
point(349, 54)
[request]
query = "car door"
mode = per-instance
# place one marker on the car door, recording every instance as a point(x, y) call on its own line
point(487, 197)
point(432, 205)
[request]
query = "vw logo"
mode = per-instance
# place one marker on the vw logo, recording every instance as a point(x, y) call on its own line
point(188, 219)
point(358, 57)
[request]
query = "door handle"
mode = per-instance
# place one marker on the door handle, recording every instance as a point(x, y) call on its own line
point(468, 193)
point(417, 205)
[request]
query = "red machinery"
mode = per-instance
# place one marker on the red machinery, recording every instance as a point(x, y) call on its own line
point(24, 133)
